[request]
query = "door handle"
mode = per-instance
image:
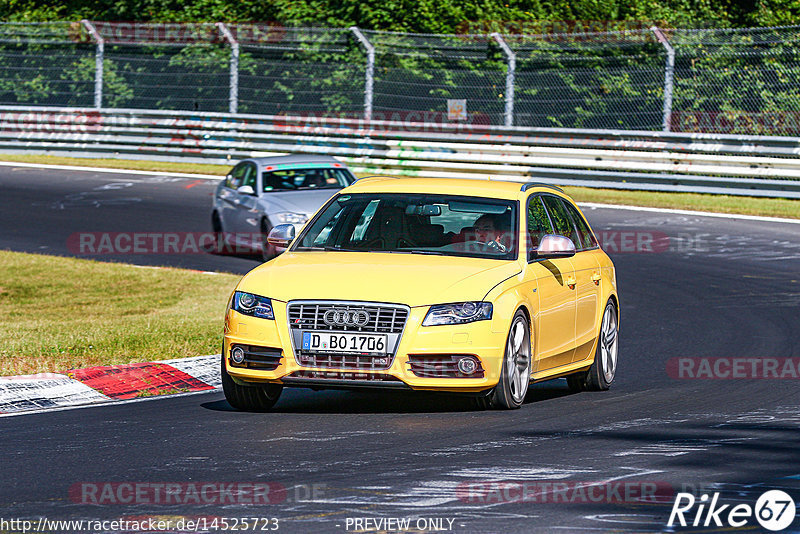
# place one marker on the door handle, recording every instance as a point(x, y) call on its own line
point(596, 278)
point(571, 282)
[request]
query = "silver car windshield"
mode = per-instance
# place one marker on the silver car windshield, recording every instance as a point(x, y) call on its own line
point(415, 224)
point(304, 179)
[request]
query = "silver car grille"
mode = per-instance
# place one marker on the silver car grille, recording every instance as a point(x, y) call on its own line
point(383, 318)
point(358, 317)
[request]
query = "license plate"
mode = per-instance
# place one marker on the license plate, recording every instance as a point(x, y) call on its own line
point(344, 342)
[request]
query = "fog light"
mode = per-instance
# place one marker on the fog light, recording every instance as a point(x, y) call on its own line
point(237, 355)
point(467, 366)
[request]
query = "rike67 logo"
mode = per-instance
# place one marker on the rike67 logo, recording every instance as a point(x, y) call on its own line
point(774, 510)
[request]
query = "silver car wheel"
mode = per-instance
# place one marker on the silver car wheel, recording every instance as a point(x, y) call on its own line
point(608, 344)
point(518, 359)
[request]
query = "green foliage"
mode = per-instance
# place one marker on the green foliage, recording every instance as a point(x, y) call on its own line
point(573, 83)
point(425, 16)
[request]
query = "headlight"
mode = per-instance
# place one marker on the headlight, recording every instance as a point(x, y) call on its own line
point(292, 218)
point(253, 305)
point(458, 313)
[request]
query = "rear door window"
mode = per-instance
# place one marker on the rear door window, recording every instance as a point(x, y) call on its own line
point(587, 238)
point(561, 219)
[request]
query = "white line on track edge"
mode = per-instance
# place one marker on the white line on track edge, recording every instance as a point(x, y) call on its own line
point(111, 402)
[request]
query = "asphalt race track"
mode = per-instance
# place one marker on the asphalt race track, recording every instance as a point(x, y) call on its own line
point(715, 287)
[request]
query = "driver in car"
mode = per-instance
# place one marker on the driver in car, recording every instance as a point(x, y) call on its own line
point(490, 231)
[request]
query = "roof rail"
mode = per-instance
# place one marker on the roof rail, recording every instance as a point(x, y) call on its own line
point(374, 176)
point(530, 185)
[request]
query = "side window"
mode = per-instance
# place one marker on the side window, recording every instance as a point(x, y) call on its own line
point(561, 219)
point(234, 180)
point(249, 175)
point(583, 227)
point(538, 223)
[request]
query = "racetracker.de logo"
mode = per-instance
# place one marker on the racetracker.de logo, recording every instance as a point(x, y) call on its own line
point(567, 492)
point(727, 368)
point(92, 243)
point(166, 493)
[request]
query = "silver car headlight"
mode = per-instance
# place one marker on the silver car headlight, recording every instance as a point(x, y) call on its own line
point(458, 313)
point(252, 305)
point(288, 217)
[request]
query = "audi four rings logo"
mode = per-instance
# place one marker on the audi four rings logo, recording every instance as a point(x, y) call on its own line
point(338, 317)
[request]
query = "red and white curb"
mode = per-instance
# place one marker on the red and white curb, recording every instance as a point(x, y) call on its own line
point(108, 384)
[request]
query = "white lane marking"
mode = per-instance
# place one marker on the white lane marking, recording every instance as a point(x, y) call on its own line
point(680, 447)
point(519, 473)
point(110, 402)
point(109, 170)
point(203, 368)
point(65, 393)
point(623, 518)
point(692, 213)
point(45, 391)
point(213, 273)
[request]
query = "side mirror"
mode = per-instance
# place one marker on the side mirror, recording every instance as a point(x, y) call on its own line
point(281, 235)
point(246, 190)
point(555, 246)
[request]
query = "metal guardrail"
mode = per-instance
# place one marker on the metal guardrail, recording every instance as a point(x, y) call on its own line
point(619, 159)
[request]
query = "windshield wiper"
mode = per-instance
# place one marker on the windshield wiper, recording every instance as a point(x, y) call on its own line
point(330, 249)
point(425, 252)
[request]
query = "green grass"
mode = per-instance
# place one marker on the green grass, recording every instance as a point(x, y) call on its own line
point(770, 207)
point(64, 313)
point(155, 166)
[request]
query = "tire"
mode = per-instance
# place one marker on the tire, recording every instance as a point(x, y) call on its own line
point(249, 398)
point(604, 368)
point(482, 402)
point(267, 251)
point(220, 246)
point(577, 382)
point(509, 394)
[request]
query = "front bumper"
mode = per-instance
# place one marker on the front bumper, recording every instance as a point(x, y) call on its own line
point(433, 342)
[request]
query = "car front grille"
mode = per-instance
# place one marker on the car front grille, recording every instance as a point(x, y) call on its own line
point(344, 361)
point(346, 317)
point(383, 318)
point(334, 375)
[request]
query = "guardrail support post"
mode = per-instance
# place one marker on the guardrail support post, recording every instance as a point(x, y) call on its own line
point(511, 57)
point(98, 62)
point(233, 100)
point(370, 76)
point(669, 74)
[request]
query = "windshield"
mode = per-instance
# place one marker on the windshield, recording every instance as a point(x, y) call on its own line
point(308, 178)
point(422, 224)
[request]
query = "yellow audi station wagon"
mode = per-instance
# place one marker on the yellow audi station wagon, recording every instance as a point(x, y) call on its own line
point(460, 286)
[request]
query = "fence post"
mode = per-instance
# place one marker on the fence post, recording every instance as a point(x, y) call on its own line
point(233, 98)
point(98, 62)
point(669, 73)
point(512, 68)
point(370, 77)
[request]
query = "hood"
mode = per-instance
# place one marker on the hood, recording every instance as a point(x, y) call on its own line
point(306, 201)
point(411, 279)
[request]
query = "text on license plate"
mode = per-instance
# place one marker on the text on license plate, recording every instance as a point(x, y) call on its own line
point(333, 342)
